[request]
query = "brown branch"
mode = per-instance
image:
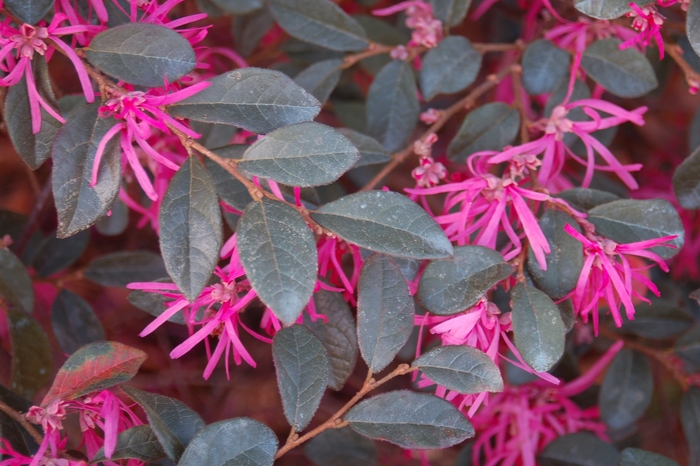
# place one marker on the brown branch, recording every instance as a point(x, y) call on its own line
point(515, 74)
point(692, 77)
point(486, 48)
point(372, 50)
point(22, 420)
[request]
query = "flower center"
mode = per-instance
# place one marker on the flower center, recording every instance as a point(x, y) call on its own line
point(558, 124)
point(30, 40)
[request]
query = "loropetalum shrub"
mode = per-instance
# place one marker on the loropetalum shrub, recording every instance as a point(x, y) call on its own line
point(490, 203)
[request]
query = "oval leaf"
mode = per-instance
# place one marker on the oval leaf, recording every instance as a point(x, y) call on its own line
point(305, 154)
point(320, 79)
point(29, 11)
point(692, 25)
point(80, 205)
point(690, 418)
point(279, 256)
point(53, 255)
point(385, 222)
point(251, 98)
point(31, 354)
point(15, 283)
point(602, 9)
point(122, 268)
point(657, 321)
point(625, 73)
point(586, 198)
point(451, 286)
point(450, 12)
point(239, 441)
point(139, 443)
point(582, 449)
point(416, 421)
point(301, 363)
point(637, 457)
point(392, 105)
point(116, 223)
point(319, 22)
point(627, 389)
point(371, 152)
point(489, 127)
point(538, 327)
point(384, 311)
point(11, 430)
point(341, 447)
point(544, 66)
point(94, 367)
point(450, 67)
point(143, 54)
point(461, 368)
point(190, 228)
point(74, 322)
point(173, 423)
point(686, 181)
point(231, 191)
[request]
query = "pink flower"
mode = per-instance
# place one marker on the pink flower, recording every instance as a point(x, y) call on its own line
point(429, 172)
point(331, 252)
point(399, 53)
point(427, 31)
point(648, 21)
point(577, 35)
point(430, 116)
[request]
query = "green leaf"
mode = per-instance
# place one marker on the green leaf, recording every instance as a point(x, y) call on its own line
point(489, 127)
point(659, 320)
point(450, 12)
point(12, 223)
point(538, 327)
point(279, 256)
point(143, 54)
point(586, 198)
point(544, 66)
point(637, 457)
point(392, 105)
point(692, 25)
point(602, 9)
point(94, 367)
point(31, 353)
point(384, 33)
point(230, 190)
point(80, 205)
point(688, 349)
point(632, 220)
point(385, 222)
point(190, 228)
point(384, 311)
point(451, 286)
point(214, 135)
point(690, 418)
point(319, 22)
point(627, 389)
point(11, 430)
point(173, 423)
point(239, 7)
point(339, 335)
point(625, 73)
point(122, 268)
point(564, 262)
point(320, 79)
point(582, 449)
point(139, 443)
point(415, 421)
point(305, 154)
point(686, 181)
point(371, 152)
point(249, 30)
point(301, 363)
point(74, 322)
point(450, 67)
point(116, 223)
point(341, 447)
point(239, 441)
point(53, 254)
point(461, 368)
point(29, 11)
point(254, 99)
point(15, 283)
point(34, 149)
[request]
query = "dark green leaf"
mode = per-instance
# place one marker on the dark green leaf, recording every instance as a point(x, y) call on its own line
point(341, 447)
point(416, 421)
point(153, 303)
point(544, 66)
point(625, 73)
point(392, 105)
point(31, 354)
point(461, 368)
point(351, 113)
point(230, 190)
point(74, 322)
point(53, 255)
point(566, 309)
point(320, 79)
point(371, 152)
point(33, 148)
point(450, 67)
point(122, 268)
point(254, 99)
point(586, 198)
point(138, 443)
point(637, 457)
point(627, 389)
point(450, 12)
point(692, 25)
point(239, 7)
point(659, 320)
point(565, 261)
point(94, 367)
point(12, 223)
point(538, 328)
point(116, 222)
point(582, 449)
point(385, 222)
point(384, 311)
point(305, 154)
point(339, 335)
point(686, 181)
point(301, 363)
point(15, 283)
point(489, 127)
point(143, 54)
point(190, 228)
point(29, 11)
point(690, 418)
point(279, 256)
point(214, 135)
point(688, 349)
point(248, 30)
point(80, 205)
point(602, 9)
point(451, 286)
point(380, 32)
point(632, 220)
point(240, 441)
point(319, 22)
point(173, 423)
point(11, 430)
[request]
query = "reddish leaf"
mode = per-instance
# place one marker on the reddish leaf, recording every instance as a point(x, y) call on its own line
point(94, 367)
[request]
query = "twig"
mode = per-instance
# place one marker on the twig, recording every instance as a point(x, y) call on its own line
point(372, 50)
point(19, 417)
point(515, 74)
point(692, 77)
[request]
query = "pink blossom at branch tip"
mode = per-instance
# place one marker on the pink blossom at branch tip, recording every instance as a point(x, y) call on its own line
point(430, 116)
point(427, 31)
point(648, 21)
point(429, 172)
point(331, 255)
point(577, 35)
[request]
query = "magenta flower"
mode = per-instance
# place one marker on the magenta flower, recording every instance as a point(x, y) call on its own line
point(648, 21)
point(330, 265)
point(429, 172)
point(427, 31)
point(577, 35)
